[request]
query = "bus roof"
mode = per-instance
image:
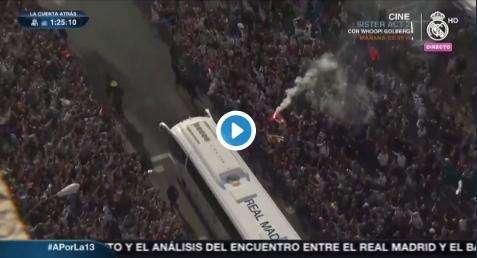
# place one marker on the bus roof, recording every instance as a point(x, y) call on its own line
point(247, 204)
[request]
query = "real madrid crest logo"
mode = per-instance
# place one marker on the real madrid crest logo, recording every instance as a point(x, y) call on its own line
point(437, 29)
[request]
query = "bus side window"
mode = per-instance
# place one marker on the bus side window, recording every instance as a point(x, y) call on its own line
point(233, 180)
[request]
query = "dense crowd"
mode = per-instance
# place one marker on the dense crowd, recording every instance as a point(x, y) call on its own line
point(394, 176)
point(54, 134)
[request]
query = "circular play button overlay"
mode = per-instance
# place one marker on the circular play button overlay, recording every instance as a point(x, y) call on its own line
point(236, 130)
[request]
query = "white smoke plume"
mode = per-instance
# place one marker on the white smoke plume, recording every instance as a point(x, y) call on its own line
point(324, 64)
point(325, 87)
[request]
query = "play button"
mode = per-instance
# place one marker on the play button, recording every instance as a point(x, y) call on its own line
point(236, 130)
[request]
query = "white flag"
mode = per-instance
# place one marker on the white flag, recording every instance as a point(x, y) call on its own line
point(69, 189)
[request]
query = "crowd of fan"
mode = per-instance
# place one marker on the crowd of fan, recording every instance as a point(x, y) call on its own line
point(392, 177)
point(53, 134)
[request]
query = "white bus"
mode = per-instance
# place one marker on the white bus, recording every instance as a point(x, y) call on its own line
point(247, 205)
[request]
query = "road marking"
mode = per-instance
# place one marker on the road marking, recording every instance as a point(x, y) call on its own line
point(162, 156)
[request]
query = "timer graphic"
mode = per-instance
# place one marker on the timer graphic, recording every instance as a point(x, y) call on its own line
point(52, 19)
point(63, 22)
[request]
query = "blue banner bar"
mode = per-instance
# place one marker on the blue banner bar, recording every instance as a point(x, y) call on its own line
point(55, 249)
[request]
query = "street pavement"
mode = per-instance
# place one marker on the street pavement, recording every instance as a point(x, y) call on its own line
point(118, 42)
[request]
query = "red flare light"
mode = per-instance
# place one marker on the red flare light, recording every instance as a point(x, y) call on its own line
point(373, 54)
point(277, 117)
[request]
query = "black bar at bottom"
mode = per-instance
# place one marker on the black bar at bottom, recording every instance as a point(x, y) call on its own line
point(258, 248)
